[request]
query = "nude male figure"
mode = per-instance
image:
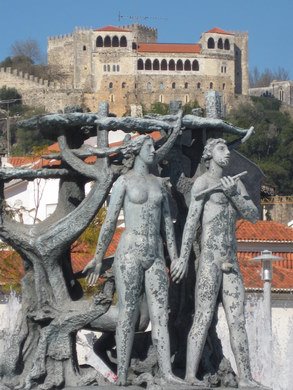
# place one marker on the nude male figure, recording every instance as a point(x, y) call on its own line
point(218, 271)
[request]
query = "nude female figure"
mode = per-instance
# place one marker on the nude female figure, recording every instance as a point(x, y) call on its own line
point(218, 271)
point(139, 263)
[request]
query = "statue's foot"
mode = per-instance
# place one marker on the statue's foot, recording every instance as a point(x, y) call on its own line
point(251, 384)
point(172, 380)
point(193, 381)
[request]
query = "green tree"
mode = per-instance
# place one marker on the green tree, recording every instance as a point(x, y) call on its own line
point(271, 147)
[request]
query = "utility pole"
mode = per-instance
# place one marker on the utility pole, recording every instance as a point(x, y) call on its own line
point(8, 133)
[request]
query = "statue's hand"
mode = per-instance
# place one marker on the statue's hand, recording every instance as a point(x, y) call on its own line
point(92, 270)
point(178, 269)
point(229, 186)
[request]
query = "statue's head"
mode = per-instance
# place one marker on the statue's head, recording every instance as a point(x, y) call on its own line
point(147, 151)
point(216, 149)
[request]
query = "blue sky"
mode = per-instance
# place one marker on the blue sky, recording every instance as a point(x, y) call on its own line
point(268, 22)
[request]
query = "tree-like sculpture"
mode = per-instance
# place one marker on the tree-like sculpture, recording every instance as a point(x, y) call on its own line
point(42, 349)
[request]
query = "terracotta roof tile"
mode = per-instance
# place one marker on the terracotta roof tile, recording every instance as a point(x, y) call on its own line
point(263, 231)
point(169, 48)
point(112, 28)
point(217, 30)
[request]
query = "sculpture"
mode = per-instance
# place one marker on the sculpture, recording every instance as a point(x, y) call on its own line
point(216, 203)
point(42, 352)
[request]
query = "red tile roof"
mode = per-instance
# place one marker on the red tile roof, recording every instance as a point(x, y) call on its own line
point(112, 28)
point(169, 48)
point(217, 30)
point(263, 231)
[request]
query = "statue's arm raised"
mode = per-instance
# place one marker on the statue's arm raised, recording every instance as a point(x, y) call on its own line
point(179, 268)
point(107, 231)
point(239, 197)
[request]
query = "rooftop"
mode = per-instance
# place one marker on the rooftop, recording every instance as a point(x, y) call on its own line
point(264, 231)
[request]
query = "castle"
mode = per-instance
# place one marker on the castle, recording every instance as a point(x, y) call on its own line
point(127, 66)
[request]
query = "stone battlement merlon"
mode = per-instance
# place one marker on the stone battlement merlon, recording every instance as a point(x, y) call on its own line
point(60, 37)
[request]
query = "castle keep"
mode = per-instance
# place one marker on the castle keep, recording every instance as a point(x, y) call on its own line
point(127, 66)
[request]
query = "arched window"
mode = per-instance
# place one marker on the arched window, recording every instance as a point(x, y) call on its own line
point(161, 85)
point(107, 41)
point(114, 68)
point(149, 86)
point(161, 99)
point(223, 86)
point(211, 43)
point(198, 85)
point(111, 98)
point(123, 41)
point(115, 41)
point(179, 65)
point(118, 68)
point(186, 98)
point(148, 64)
point(220, 43)
point(123, 85)
point(156, 65)
point(187, 65)
point(134, 46)
point(139, 64)
point(108, 68)
point(173, 85)
point(227, 44)
point(110, 85)
point(186, 85)
point(211, 85)
point(105, 68)
point(84, 48)
point(164, 65)
point(281, 95)
point(99, 41)
point(171, 65)
point(195, 65)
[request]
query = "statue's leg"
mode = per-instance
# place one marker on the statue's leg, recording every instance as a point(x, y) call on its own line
point(233, 303)
point(156, 287)
point(208, 282)
point(129, 277)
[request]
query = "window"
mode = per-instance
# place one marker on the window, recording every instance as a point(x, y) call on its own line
point(186, 85)
point(99, 41)
point(173, 85)
point(164, 65)
point(156, 65)
point(227, 44)
point(107, 42)
point(211, 43)
point(223, 86)
point(134, 46)
point(148, 64)
point(139, 64)
point(198, 85)
point(187, 65)
point(115, 41)
point(110, 85)
point(111, 98)
point(195, 65)
point(161, 99)
point(161, 86)
point(105, 68)
point(123, 41)
point(123, 85)
point(149, 86)
point(179, 65)
point(108, 68)
point(186, 98)
point(84, 48)
point(211, 85)
point(220, 43)
point(114, 68)
point(171, 65)
point(281, 95)
point(118, 68)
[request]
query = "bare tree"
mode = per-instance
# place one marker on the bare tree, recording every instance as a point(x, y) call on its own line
point(263, 79)
point(28, 48)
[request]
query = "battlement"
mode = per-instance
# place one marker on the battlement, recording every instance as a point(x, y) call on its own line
point(60, 37)
point(38, 82)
